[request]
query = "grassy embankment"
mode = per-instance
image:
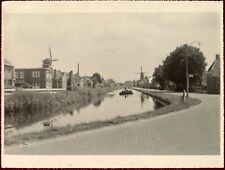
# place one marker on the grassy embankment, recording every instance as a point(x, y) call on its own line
point(173, 104)
point(31, 102)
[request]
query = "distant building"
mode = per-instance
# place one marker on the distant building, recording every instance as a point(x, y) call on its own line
point(59, 79)
point(77, 80)
point(73, 80)
point(143, 81)
point(213, 77)
point(9, 75)
point(35, 77)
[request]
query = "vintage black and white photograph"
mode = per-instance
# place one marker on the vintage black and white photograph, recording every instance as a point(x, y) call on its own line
point(95, 81)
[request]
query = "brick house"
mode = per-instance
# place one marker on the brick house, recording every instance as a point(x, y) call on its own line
point(36, 77)
point(9, 75)
point(213, 77)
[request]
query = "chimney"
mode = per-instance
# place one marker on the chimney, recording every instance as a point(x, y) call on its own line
point(217, 56)
point(78, 69)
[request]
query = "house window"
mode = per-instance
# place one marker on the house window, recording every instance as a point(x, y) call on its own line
point(10, 82)
point(36, 74)
point(17, 75)
point(21, 74)
point(48, 75)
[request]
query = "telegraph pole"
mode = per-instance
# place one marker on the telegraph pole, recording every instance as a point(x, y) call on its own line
point(187, 76)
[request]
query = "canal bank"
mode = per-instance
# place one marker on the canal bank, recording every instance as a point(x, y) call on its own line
point(195, 131)
point(110, 119)
point(32, 101)
point(171, 102)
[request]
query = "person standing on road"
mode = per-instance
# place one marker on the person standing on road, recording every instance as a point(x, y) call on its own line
point(184, 91)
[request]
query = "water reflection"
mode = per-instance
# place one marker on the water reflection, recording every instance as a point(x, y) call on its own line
point(105, 107)
point(157, 104)
point(97, 103)
point(125, 96)
point(71, 112)
point(24, 119)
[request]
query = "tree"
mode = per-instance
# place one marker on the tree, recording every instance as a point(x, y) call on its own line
point(96, 78)
point(174, 66)
point(158, 76)
point(112, 81)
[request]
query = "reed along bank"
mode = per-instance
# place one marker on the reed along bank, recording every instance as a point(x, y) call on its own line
point(30, 102)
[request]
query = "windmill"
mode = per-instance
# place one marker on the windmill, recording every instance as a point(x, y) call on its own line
point(144, 81)
point(142, 77)
point(51, 59)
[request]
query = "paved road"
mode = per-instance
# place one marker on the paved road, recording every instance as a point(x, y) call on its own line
point(193, 131)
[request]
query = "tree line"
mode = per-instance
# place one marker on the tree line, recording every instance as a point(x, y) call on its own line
point(172, 72)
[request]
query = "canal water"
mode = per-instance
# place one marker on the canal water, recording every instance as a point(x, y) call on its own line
point(107, 107)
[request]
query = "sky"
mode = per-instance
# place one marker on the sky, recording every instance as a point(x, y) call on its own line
point(114, 44)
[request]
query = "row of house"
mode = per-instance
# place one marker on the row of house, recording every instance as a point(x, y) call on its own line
point(40, 77)
point(44, 77)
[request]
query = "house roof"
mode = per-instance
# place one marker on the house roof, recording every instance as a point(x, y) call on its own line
point(214, 69)
point(7, 62)
point(33, 68)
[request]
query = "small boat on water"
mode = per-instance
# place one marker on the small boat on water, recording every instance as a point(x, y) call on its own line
point(126, 92)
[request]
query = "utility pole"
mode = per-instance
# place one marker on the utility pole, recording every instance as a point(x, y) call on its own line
point(187, 76)
point(187, 72)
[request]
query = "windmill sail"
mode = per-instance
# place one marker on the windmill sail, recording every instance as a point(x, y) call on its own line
point(51, 59)
point(50, 53)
